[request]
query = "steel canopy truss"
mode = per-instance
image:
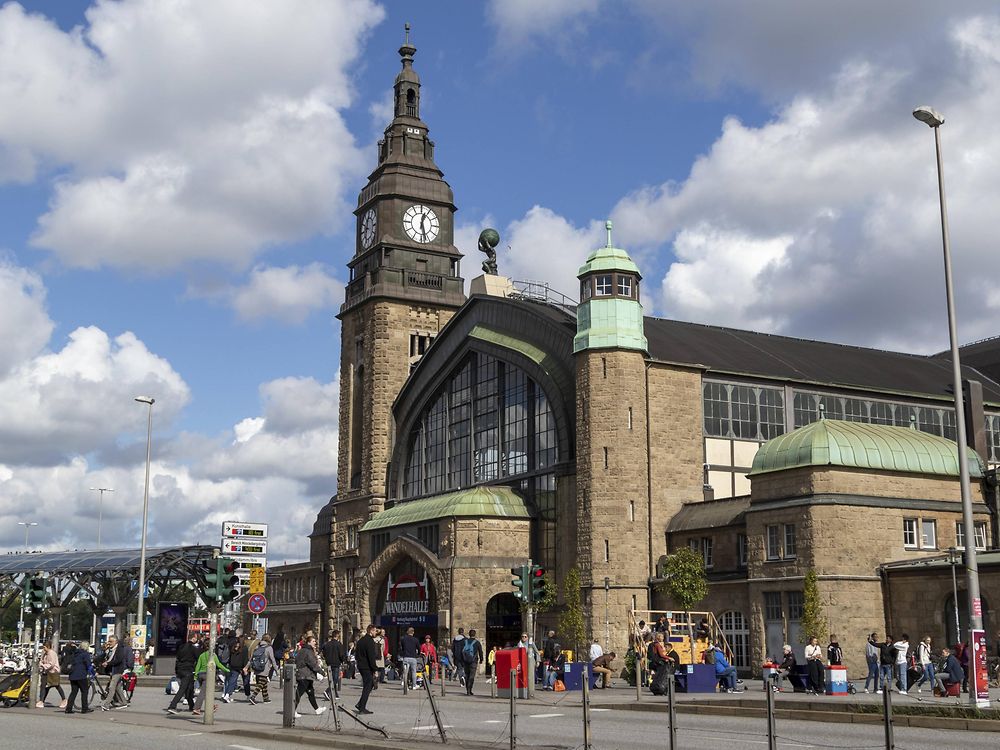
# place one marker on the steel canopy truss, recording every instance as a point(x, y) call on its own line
point(107, 577)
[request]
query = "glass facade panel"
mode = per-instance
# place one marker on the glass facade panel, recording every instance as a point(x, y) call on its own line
point(737, 410)
point(743, 411)
point(716, 405)
point(795, 605)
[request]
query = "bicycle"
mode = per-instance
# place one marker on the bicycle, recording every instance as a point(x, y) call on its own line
point(129, 681)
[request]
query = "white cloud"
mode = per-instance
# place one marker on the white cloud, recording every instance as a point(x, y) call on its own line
point(289, 294)
point(520, 20)
point(25, 326)
point(183, 131)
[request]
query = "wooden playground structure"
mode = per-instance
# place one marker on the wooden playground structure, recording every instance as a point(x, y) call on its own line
point(691, 633)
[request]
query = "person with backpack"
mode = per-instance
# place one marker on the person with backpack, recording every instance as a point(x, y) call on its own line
point(187, 657)
point(472, 657)
point(262, 661)
point(334, 656)
point(926, 663)
point(307, 670)
point(456, 655)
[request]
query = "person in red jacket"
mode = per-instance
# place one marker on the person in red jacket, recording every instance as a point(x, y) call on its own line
point(429, 653)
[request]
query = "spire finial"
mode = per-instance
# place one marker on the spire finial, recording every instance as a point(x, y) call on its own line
point(608, 225)
point(822, 410)
point(913, 421)
point(406, 26)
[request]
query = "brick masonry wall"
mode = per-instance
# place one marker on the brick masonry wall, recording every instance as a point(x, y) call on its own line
point(844, 481)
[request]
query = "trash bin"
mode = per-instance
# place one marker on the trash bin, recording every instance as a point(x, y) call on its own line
point(767, 673)
point(836, 680)
point(505, 660)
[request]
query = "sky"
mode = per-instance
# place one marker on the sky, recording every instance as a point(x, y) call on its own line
point(177, 179)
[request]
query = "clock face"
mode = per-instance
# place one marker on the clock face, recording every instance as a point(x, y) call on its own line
point(368, 229)
point(421, 224)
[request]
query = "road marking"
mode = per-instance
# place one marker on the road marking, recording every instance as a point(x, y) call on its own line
point(192, 734)
point(599, 709)
point(420, 729)
point(544, 716)
point(245, 747)
point(494, 721)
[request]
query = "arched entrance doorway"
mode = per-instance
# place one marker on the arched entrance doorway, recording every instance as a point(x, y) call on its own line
point(407, 598)
point(503, 621)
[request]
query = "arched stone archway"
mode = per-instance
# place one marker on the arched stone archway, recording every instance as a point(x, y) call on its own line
point(400, 548)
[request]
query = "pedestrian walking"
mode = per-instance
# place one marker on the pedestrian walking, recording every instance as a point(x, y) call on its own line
point(262, 663)
point(78, 677)
point(115, 665)
point(49, 667)
point(886, 663)
point(429, 653)
point(187, 658)
point(872, 660)
point(334, 656)
point(307, 670)
point(456, 655)
point(383, 653)
point(201, 672)
point(472, 657)
point(367, 653)
point(238, 660)
point(409, 652)
point(902, 649)
point(926, 663)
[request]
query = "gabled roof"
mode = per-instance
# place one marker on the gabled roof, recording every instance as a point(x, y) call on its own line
point(478, 502)
point(734, 352)
point(834, 442)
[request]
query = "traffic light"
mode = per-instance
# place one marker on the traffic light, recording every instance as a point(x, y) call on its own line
point(520, 582)
point(537, 583)
point(38, 595)
point(212, 581)
point(227, 579)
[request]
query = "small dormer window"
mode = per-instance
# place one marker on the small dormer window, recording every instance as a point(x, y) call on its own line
point(603, 286)
point(625, 286)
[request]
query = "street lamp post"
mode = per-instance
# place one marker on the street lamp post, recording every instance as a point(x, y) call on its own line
point(934, 120)
point(953, 560)
point(100, 510)
point(20, 623)
point(140, 608)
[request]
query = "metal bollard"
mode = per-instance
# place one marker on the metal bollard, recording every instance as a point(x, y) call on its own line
point(672, 713)
point(288, 696)
point(513, 709)
point(585, 684)
point(772, 734)
point(890, 742)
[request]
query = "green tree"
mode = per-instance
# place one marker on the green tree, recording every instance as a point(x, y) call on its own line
point(571, 623)
point(813, 620)
point(684, 581)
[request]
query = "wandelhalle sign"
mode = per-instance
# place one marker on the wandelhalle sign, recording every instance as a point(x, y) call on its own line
point(408, 600)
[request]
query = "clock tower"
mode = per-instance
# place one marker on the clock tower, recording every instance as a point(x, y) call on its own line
point(404, 286)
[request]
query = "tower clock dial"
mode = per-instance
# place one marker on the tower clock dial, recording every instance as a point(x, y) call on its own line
point(421, 223)
point(368, 223)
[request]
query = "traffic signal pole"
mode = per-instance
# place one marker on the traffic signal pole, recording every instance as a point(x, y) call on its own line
point(209, 686)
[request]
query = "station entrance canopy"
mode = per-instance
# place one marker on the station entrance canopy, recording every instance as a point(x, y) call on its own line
point(107, 577)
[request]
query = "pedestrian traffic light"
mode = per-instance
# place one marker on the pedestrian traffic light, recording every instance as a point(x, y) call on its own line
point(520, 582)
point(537, 583)
point(227, 579)
point(38, 595)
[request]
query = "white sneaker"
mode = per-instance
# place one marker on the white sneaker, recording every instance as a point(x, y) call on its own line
point(298, 715)
point(902, 692)
point(320, 710)
point(866, 691)
point(878, 692)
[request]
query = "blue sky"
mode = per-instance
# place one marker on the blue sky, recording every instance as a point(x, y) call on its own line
point(176, 183)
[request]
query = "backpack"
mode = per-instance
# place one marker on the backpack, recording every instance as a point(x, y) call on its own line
point(222, 651)
point(469, 650)
point(66, 665)
point(709, 656)
point(129, 655)
point(258, 662)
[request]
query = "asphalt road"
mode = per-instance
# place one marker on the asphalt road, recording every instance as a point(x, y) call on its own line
point(408, 719)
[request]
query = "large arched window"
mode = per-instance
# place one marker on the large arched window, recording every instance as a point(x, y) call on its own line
point(489, 422)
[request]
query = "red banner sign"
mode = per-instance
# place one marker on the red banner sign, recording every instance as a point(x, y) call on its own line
point(979, 679)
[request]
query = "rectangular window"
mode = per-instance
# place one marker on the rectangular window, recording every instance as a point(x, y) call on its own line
point(928, 533)
point(631, 510)
point(607, 551)
point(428, 535)
point(790, 547)
point(630, 417)
point(352, 536)
point(716, 405)
point(773, 542)
point(980, 535)
point(743, 411)
point(379, 542)
point(910, 533)
point(349, 582)
point(603, 287)
point(605, 458)
point(741, 550)
point(795, 605)
point(772, 605)
point(706, 551)
point(624, 286)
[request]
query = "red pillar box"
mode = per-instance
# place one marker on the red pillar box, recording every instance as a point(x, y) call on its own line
point(836, 680)
point(505, 660)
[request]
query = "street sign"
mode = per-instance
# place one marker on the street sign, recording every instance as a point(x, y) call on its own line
point(249, 562)
point(258, 581)
point(257, 603)
point(238, 529)
point(244, 546)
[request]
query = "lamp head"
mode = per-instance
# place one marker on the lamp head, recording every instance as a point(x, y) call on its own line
point(145, 400)
point(927, 115)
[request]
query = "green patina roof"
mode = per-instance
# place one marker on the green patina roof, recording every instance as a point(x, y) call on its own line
point(608, 258)
point(491, 502)
point(833, 442)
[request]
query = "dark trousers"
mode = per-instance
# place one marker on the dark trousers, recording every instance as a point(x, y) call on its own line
point(57, 688)
point(77, 686)
point(334, 689)
point(367, 684)
point(305, 687)
point(185, 691)
point(470, 676)
point(817, 679)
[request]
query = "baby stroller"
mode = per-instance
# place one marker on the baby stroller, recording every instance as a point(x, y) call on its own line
point(14, 688)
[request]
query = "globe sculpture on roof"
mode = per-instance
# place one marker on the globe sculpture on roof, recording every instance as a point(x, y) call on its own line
point(489, 238)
